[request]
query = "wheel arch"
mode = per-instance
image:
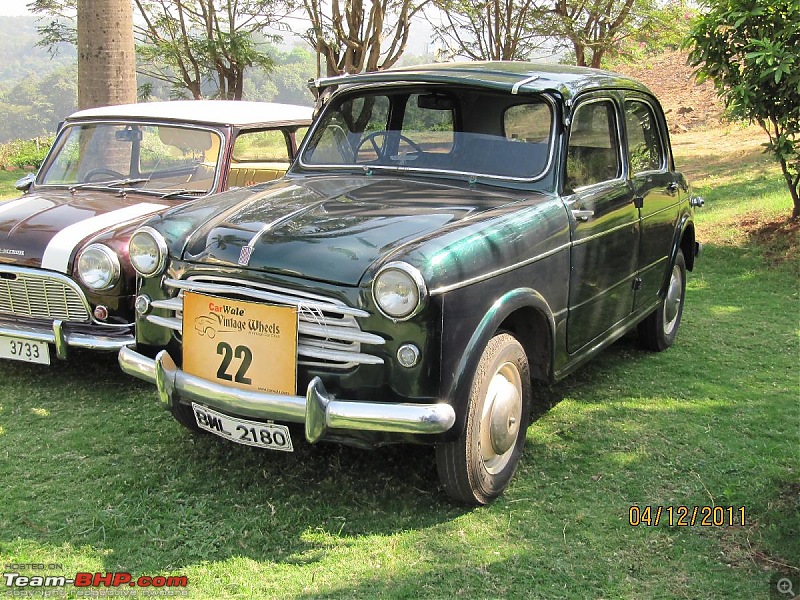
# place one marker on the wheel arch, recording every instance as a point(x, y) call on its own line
point(524, 313)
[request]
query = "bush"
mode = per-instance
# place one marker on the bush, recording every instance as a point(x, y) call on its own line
point(24, 153)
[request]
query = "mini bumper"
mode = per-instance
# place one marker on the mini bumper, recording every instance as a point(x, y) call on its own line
point(62, 339)
point(317, 409)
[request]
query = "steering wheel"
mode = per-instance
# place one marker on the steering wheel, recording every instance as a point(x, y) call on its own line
point(103, 171)
point(371, 137)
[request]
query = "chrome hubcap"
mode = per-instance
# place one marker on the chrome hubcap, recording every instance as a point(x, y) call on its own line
point(672, 302)
point(500, 421)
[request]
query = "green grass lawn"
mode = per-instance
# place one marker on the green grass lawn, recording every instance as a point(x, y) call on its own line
point(7, 181)
point(97, 477)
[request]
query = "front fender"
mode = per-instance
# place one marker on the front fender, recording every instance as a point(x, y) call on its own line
point(457, 387)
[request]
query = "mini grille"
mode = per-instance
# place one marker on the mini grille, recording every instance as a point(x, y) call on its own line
point(328, 333)
point(29, 293)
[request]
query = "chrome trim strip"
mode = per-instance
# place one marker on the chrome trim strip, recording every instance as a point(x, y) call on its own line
point(594, 236)
point(317, 409)
point(485, 276)
point(521, 82)
point(193, 285)
point(61, 339)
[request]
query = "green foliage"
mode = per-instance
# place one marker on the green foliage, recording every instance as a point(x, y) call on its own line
point(24, 153)
point(749, 49)
point(661, 27)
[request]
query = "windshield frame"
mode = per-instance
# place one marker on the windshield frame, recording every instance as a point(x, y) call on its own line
point(63, 134)
point(356, 90)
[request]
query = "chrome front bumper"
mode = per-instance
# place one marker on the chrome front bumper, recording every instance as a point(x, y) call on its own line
point(317, 409)
point(62, 339)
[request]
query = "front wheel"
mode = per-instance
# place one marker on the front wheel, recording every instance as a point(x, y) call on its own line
point(477, 467)
point(659, 330)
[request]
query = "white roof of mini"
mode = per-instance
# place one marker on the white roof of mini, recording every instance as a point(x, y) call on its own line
point(216, 112)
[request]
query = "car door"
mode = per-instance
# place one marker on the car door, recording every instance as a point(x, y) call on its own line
point(656, 191)
point(604, 223)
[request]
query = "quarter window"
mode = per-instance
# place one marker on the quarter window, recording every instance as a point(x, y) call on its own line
point(593, 154)
point(645, 149)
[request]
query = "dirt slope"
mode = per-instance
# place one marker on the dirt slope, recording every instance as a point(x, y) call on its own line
point(686, 104)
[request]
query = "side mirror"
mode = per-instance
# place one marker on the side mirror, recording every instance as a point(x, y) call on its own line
point(24, 184)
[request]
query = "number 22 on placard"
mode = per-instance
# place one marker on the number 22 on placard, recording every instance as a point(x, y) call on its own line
point(241, 352)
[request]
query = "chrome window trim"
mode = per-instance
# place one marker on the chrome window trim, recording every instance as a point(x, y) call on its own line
point(61, 137)
point(405, 169)
point(653, 112)
point(618, 129)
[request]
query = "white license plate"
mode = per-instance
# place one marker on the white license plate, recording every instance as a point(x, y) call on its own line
point(24, 350)
point(242, 431)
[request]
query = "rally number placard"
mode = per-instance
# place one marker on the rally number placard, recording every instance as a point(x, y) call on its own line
point(241, 344)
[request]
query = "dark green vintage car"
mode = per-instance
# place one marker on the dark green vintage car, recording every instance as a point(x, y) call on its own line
point(449, 237)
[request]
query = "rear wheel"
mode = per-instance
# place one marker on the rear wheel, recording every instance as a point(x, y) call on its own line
point(478, 466)
point(659, 330)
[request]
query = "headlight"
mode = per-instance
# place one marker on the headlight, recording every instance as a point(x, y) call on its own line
point(148, 251)
point(399, 290)
point(98, 267)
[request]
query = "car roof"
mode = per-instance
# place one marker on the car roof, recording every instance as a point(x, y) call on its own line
point(511, 76)
point(215, 112)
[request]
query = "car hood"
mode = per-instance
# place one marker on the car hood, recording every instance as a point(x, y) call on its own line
point(333, 228)
point(47, 227)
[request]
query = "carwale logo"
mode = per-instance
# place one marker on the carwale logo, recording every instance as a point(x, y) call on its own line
point(12, 252)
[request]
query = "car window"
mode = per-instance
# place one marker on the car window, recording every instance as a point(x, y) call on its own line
point(593, 151)
point(645, 147)
point(463, 131)
point(161, 157)
point(261, 146)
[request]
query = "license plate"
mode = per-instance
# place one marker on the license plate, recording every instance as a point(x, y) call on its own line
point(240, 344)
point(24, 350)
point(242, 431)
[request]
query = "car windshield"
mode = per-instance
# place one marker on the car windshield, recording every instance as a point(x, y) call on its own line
point(151, 157)
point(466, 131)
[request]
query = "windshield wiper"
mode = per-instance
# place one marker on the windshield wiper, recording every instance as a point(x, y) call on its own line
point(123, 182)
point(183, 191)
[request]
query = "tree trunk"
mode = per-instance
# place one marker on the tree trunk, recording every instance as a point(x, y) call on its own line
point(106, 60)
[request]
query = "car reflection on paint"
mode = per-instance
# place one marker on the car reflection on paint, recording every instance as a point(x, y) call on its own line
point(65, 277)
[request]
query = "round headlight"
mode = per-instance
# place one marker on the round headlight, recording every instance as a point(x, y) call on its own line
point(98, 267)
point(399, 290)
point(148, 251)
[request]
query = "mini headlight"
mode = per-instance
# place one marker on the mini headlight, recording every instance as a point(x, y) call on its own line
point(399, 290)
point(98, 267)
point(148, 251)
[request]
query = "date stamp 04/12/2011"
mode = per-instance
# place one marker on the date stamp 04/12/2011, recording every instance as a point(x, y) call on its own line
point(686, 516)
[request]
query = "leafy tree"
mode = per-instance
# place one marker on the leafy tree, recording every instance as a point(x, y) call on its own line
point(188, 44)
point(749, 49)
point(350, 36)
point(499, 30)
point(596, 27)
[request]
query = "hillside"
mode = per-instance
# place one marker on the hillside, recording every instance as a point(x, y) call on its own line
point(688, 105)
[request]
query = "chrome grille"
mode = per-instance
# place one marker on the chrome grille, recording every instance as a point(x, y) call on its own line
point(328, 333)
point(41, 295)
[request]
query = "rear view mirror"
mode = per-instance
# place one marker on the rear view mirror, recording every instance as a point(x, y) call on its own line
point(435, 102)
point(128, 135)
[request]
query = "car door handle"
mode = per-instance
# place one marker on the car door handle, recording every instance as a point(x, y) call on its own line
point(582, 215)
point(673, 187)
